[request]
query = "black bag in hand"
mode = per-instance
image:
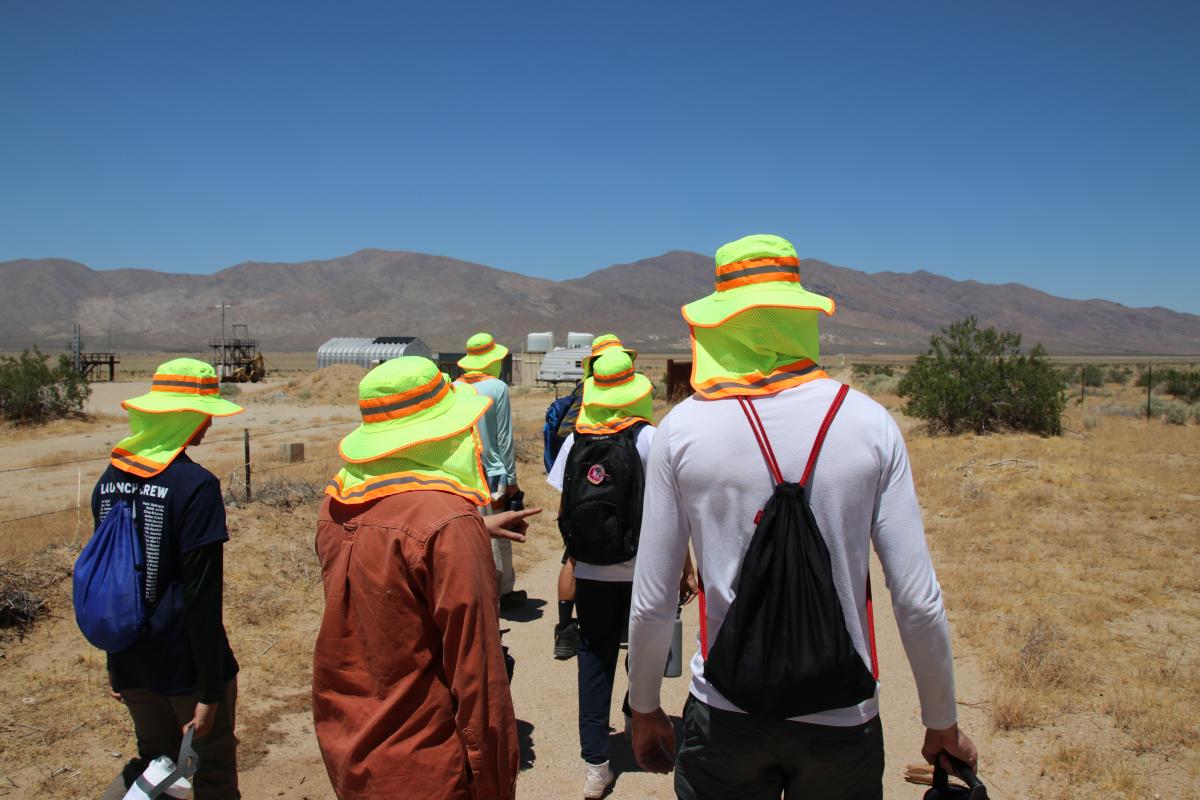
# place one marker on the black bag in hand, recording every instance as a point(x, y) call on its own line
point(783, 650)
point(942, 790)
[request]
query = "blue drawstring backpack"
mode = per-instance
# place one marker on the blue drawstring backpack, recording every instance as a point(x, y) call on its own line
point(109, 583)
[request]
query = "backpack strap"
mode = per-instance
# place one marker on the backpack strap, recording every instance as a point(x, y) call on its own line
point(829, 415)
point(764, 442)
point(760, 436)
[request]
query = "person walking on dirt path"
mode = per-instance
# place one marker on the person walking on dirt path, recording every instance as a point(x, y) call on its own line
point(600, 472)
point(566, 631)
point(180, 673)
point(481, 371)
point(761, 409)
point(410, 695)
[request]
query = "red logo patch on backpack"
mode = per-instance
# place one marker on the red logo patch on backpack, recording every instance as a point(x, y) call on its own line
point(596, 474)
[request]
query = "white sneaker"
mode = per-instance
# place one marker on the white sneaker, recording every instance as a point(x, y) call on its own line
point(596, 780)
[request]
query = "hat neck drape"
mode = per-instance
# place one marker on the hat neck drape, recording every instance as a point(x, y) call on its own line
point(761, 351)
point(615, 424)
point(486, 373)
point(453, 465)
point(155, 440)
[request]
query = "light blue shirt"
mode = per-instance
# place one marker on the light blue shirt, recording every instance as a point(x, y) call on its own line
point(495, 431)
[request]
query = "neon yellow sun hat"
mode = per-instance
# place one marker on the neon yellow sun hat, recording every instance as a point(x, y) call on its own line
point(183, 396)
point(405, 402)
point(615, 397)
point(482, 352)
point(184, 384)
point(602, 344)
point(757, 334)
point(755, 271)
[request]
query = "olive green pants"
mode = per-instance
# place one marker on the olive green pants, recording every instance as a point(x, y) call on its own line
point(158, 723)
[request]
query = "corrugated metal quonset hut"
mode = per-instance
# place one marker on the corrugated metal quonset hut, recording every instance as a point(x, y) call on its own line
point(369, 352)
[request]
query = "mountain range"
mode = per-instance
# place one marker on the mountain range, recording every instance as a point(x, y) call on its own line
point(295, 307)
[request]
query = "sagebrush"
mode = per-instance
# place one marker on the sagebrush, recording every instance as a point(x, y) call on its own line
point(33, 392)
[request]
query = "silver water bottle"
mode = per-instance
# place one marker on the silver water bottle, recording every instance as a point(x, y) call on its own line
point(675, 656)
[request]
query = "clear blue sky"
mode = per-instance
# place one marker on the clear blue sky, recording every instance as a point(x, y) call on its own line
point(1054, 144)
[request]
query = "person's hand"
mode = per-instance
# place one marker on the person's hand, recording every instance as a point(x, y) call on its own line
point(115, 695)
point(202, 722)
point(654, 741)
point(689, 587)
point(509, 524)
point(953, 741)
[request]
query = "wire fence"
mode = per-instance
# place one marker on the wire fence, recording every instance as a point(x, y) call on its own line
point(240, 484)
point(227, 440)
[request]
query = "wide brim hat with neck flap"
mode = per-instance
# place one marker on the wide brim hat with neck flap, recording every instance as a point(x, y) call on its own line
point(756, 270)
point(602, 344)
point(615, 396)
point(482, 352)
point(184, 394)
point(405, 402)
point(757, 334)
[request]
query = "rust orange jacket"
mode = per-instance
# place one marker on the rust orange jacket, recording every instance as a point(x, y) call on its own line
point(410, 696)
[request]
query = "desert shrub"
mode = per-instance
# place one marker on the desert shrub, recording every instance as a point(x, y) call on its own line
point(1181, 383)
point(977, 379)
point(20, 600)
point(1093, 375)
point(1184, 385)
point(879, 384)
point(1119, 375)
point(1171, 411)
point(33, 392)
point(865, 370)
point(230, 390)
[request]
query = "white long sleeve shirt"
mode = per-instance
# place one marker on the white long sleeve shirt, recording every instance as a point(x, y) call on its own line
point(706, 480)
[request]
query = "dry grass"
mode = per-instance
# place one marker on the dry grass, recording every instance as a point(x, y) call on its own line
point(1069, 566)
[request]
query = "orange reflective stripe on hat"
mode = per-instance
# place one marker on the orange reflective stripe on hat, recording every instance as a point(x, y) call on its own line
point(184, 384)
point(607, 344)
point(758, 270)
point(480, 349)
point(617, 379)
point(135, 464)
point(403, 404)
point(758, 384)
point(615, 426)
point(383, 485)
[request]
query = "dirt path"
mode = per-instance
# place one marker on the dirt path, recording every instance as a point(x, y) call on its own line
point(545, 697)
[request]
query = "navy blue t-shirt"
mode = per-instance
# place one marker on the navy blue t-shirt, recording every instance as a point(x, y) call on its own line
point(177, 511)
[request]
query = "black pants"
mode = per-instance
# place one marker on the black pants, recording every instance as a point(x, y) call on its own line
point(730, 755)
point(603, 609)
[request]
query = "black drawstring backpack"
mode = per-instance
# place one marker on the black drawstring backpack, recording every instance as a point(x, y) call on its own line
point(942, 788)
point(783, 650)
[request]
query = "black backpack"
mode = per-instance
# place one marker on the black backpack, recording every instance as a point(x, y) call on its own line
point(600, 517)
point(783, 650)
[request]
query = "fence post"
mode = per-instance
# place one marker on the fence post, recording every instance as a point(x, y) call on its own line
point(246, 443)
point(1149, 387)
point(1082, 383)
